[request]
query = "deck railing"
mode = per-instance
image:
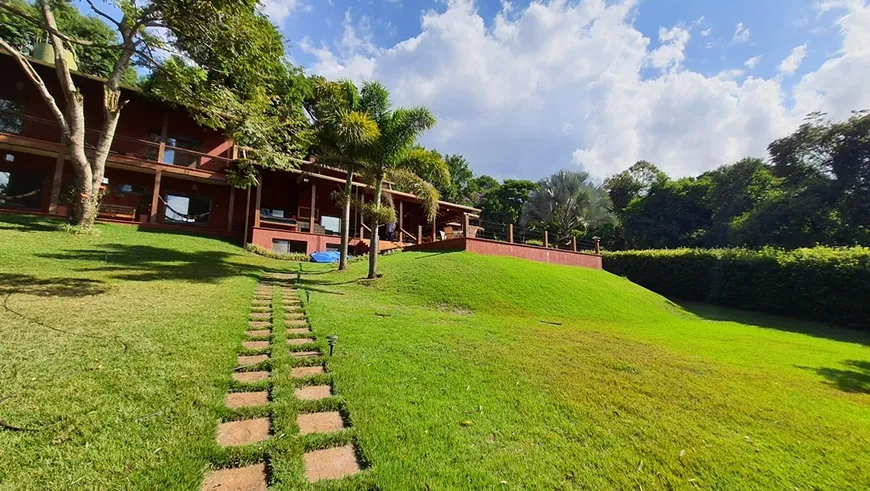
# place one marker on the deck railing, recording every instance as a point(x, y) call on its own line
point(516, 234)
point(156, 149)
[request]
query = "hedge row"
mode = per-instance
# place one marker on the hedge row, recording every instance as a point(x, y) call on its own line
point(820, 283)
point(284, 256)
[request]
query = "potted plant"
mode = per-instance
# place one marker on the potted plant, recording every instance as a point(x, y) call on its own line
point(65, 199)
point(144, 209)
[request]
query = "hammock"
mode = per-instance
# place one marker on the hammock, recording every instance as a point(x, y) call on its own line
point(19, 196)
point(185, 216)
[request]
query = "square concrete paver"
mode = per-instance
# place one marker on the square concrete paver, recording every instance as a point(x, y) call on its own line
point(250, 376)
point(304, 354)
point(260, 302)
point(260, 315)
point(250, 478)
point(261, 308)
point(299, 330)
point(259, 324)
point(331, 463)
point(295, 323)
point(252, 360)
point(319, 422)
point(299, 341)
point(313, 392)
point(299, 372)
point(236, 400)
point(243, 432)
point(255, 344)
point(294, 315)
point(258, 333)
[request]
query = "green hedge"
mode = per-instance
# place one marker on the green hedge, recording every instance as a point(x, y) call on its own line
point(821, 283)
point(284, 256)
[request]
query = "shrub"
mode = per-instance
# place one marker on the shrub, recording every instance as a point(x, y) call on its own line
point(820, 283)
point(284, 256)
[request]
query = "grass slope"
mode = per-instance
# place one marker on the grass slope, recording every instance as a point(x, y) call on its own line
point(452, 380)
point(116, 351)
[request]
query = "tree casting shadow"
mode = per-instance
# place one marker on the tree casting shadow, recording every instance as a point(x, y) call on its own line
point(148, 263)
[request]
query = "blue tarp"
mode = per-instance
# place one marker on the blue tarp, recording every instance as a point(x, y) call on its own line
point(325, 257)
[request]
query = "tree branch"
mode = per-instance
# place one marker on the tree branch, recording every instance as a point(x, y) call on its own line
point(40, 85)
point(60, 64)
point(103, 14)
point(53, 30)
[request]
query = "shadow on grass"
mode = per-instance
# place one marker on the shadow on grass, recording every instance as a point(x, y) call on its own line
point(49, 287)
point(148, 263)
point(148, 229)
point(770, 321)
point(28, 223)
point(855, 379)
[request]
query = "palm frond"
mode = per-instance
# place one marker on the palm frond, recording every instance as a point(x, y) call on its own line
point(412, 183)
point(374, 99)
point(357, 128)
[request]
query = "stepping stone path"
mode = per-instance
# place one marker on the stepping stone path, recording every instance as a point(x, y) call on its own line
point(328, 463)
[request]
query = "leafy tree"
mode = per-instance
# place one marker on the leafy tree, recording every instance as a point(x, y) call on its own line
point(504, 202)
point(634, 182)
point(565, 202)
point(672, 214)
point(218, 36)
point(343, 133)
point(96, 60)
point(482, 185)
point(396, 155)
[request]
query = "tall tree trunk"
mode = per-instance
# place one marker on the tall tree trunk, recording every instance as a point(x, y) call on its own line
point(374, 244)
point(345, 222)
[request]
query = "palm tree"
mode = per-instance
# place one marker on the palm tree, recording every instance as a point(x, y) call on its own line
point(343, 131)
point(396, 156)
point(567, 201)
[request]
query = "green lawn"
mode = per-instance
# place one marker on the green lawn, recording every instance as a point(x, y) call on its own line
point(456, 371)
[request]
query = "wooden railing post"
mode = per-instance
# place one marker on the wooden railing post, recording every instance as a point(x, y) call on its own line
point(511, 233)
point(419, 234)
point(597, 242)
point(56, 182)
point(546, 239)
point(574, 244)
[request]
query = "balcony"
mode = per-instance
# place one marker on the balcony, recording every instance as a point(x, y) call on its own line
point(37, 132)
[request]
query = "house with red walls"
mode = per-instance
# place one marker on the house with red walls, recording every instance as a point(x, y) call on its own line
point(167, 171)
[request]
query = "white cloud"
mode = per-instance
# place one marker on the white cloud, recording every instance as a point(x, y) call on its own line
point(671, 54)
point(557, 84)
point(741, 34)
point(790, 65)
point(706, 32)
point(752, 62)
point(278, 10)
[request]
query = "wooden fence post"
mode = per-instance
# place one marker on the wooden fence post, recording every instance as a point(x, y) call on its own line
point(597, 242)
point(574, 244)
point(419, 234)
point(546, 239)
point(511, 233)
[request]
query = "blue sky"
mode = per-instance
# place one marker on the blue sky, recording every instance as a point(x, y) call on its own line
point(522, 89)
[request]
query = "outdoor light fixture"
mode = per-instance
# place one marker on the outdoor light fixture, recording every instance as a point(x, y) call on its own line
point(331, 340)
point(10, 157)
point(307, 296)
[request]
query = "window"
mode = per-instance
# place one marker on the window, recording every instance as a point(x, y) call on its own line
point(22, 190)
point(331, 225)
point(186, 209)
point(279, 245)
point(129, 189)
point(9, 120)
point(173, 157)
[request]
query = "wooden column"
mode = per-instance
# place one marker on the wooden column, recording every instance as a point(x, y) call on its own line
point(597, 242)
point(419, 234)
point(362, 202)
point(164, 131)
point(546, 239)
point(257, 203)
point(247, 215)
point(511, 233)
point(155, 196)
point(465, 225)
point(56, 183)
point(434, 233)
point(232, 205)
point(574, 244)
point(401, 215)
point(313, 203)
